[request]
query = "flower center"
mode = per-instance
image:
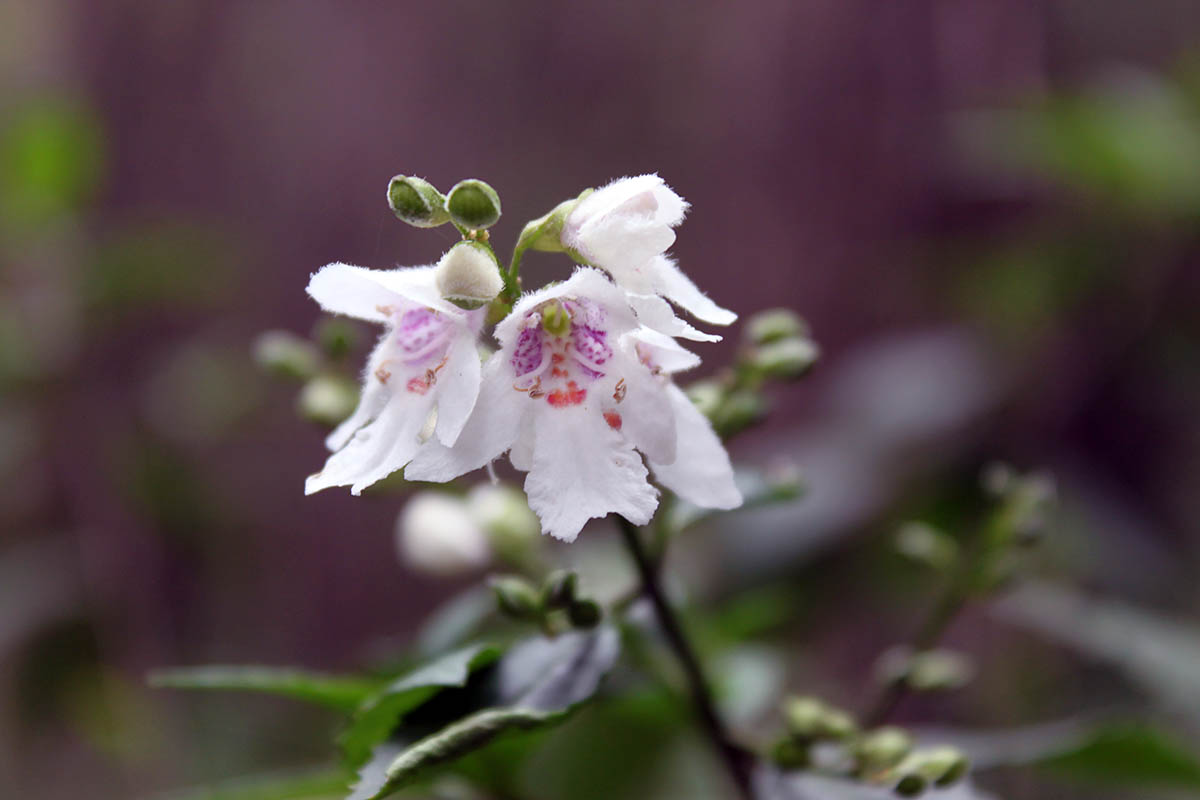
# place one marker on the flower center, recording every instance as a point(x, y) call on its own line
point(419, 340)
point(562, 348)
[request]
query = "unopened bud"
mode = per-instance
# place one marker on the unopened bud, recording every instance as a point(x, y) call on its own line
point(790, 754)
point(882, 749)
point(927, 671)
point(545, 233)
point(417, 202)
point(337, 337)
point(775, 324)
point(468, 275)
point(940, 766)
point(584, 613)
point(504, 513)
point(327, 399)
point(740, 410)
point(809, 719)
point(706, 396)
point(473, 204)
point(558, 590)
point(556, 320)
point(286, 354)
point(516, 597)
point(926, 545)
point(785, 358)
point(436, 533)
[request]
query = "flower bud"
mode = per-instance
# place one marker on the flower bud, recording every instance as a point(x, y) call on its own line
point(740, 410)
point(468, 275)
point(774, 325)
point(584, 613)
point(926, 545)
point(706, 396)
point(882, 749)
point(927, 671)
point(417, 202)
point(785, 358)
point(809, 719)
point(337, 337)
point(504, 513)
point(789, 754)
point(327, 399)
point(473, 204)
point(558, 590)
point(516, 597)
point(286, 354)
point(941, 766)
point(435, 533)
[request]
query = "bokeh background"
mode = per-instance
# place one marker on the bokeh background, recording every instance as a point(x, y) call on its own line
point(987, 210)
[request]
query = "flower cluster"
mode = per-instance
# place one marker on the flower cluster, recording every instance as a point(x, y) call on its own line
point(580, 388)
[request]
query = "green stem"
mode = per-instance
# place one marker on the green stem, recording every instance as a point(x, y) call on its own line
point(736, 760)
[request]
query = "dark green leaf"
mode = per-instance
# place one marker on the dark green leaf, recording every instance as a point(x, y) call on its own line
point(342, 693)
point(1133, 755)
point(379, 714)
point(537, 682)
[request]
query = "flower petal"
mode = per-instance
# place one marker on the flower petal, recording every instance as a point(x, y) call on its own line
point(582, 469)
point(489, 431)
point(377, 449)
point(664, 352)
point(366, 293)
point(644, 411)
point(701, 472)
point(671, 283)
point(371, 400)
point(457, 387)
point(654, 312)
point(584, 282)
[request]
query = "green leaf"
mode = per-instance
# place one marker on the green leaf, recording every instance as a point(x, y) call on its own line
point(308, 785)
point(1135, 755)
point(379, 713)
point(537, 682)
point(341, 693)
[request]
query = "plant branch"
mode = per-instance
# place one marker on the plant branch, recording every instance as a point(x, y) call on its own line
point(736, 760)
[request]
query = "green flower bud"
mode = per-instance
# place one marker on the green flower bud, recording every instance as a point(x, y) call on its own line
point(740, 410)
point(545, 232)
point(790, 754)
point(941, 766)
point(327, 399)
point(468, 275)
point(584, 614)
point(504, 513)
point(928, 671)
point(926, 545)
point(286, 354)
point(417, 202)
point(473, 204)
point(809, 719)
point(556, 321)
point(516, 597)
point(775, 324)
point(337, 337)
point(558, 590)
point(706, 396)
point(882, 749)
point(785, 359)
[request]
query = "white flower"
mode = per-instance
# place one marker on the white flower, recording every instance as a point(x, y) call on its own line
point(626, 229)
point(438, 534)
point(421, 380)
point(576, 389)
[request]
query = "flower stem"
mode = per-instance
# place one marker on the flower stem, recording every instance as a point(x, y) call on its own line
point(736, 760)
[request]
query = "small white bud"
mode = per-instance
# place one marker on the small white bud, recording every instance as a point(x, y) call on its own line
point(504, 513)
point(468, 275)
point(436, 533)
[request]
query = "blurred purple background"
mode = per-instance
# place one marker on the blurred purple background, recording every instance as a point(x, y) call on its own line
point(846, 159)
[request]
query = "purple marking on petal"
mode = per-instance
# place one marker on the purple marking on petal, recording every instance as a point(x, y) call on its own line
point(527, 355)
point(586, 370)
point(587, 313)
point(418, 329)
point(591, 344)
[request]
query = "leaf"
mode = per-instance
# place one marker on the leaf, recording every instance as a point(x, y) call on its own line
point(309, 785)
point(379, 713)
point(341, 693)
point(537, 682)
point(1159, 654)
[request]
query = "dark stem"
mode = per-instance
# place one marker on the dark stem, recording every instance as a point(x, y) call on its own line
point(736, 760)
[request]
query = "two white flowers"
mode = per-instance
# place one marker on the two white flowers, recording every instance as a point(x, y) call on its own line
point(580, 385)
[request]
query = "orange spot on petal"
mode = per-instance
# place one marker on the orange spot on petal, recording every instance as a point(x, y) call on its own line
point(613, 419)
